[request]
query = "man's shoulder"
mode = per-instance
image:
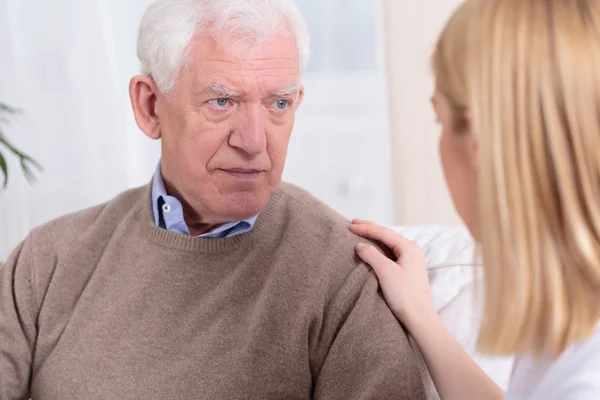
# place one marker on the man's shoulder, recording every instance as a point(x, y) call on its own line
point(322, 238)
point(104, 216)
point(308, 209)
point(307, 212)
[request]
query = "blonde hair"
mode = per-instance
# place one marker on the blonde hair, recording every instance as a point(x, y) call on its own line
point(528, 72)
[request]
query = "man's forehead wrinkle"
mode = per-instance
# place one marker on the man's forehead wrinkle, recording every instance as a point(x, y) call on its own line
point(233, 78)
point(254, 65)
point(228, 81)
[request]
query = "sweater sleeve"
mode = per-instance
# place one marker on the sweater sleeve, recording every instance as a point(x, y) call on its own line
point(17, 324)
point(367, 352)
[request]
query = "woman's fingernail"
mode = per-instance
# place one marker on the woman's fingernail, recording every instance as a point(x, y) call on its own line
point(359, 246)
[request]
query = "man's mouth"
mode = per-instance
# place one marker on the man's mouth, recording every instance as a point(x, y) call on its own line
point(242, 173)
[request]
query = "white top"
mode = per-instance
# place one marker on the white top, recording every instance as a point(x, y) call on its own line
point(575, 375)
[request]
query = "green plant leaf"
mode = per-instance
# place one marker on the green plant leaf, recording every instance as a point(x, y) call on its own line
point(12, 148)
point(26, 161)
point(8, 109)
point(4, 168)
point(6, 143)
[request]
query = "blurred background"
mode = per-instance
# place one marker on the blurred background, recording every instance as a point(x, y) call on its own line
point(365, 141)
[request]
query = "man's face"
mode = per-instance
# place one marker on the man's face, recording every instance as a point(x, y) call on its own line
point(225, 128)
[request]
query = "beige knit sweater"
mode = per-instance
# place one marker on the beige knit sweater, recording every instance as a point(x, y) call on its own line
point(102, 304)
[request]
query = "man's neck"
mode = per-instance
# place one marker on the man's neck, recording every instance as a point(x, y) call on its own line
point(193, 219)
point(200, 229)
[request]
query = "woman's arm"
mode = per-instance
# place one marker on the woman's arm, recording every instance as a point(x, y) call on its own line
point(406, 289)
point(453, 371)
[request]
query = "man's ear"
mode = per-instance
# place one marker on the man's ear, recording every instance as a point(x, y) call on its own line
point(300, 97)
point(143, 94)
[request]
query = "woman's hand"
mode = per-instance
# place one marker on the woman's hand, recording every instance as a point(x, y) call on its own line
point(404, 282)
point(406, 289)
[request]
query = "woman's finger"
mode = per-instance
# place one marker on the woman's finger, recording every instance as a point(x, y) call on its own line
point(389, 238)
point(382, 265)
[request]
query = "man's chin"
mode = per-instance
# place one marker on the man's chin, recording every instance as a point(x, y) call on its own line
point(243, 205)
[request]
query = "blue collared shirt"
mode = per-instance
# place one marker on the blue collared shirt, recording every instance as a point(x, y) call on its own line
point(169, 209)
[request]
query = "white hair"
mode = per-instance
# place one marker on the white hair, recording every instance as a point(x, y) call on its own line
point(168, 27)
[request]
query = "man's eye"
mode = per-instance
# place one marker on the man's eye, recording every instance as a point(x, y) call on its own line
point(219, 103)
point(281, 104)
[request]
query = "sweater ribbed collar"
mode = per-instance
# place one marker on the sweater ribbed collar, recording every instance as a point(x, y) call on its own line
point(267, 219)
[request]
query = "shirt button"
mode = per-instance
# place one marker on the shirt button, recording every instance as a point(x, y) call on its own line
point(166, 208)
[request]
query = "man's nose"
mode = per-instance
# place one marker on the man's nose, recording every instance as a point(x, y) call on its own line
point(249, 133)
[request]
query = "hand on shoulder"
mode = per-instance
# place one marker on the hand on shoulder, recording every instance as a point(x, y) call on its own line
point(404, 281)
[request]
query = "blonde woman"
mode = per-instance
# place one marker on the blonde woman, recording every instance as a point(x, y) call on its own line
point(518, 99)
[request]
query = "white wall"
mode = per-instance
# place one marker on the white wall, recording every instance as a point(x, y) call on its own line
point(67, 64)
point(411, 30)
point(341, 146)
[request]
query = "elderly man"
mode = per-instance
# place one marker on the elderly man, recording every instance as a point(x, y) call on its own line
point(214, 281)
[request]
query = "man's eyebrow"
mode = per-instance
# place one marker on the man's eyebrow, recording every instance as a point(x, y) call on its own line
point(221, 90)
point(288, 91)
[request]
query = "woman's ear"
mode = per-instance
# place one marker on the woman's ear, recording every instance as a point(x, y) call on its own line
point(143, 94)
point(472, 143)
